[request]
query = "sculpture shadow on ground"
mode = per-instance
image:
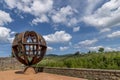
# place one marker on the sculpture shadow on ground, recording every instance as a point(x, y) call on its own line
point(19, 72)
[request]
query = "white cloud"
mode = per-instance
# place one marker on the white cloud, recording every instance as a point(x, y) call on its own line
point(58, 37)
point(110, 49)
point(91, 5)
point(88, 42)
point(105, 30)
point(63, 48)
point(12, 33)
point(40, 19)
point(38, 8)
point(65, 15)
point(11, 3)
point(34, 7)
point(75, 29)
point(50, 48)
point(96, 48)
point(5, 35)
point(114, 34)
point(105, 16)
point(72, 21)
point(4, 18)
point(44, 11)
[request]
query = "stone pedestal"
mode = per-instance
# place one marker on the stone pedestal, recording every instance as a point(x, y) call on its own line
point(29, 70)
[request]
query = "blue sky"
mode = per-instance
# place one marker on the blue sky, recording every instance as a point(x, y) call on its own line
point(67, 25)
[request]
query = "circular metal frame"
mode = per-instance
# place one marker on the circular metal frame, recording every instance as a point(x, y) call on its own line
point(29, 47)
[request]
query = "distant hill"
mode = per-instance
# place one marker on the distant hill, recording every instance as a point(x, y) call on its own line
point(69, 54)
point(51, 55)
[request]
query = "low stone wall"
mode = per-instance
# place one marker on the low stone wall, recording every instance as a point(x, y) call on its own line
point(8, 63)
point(90, 74)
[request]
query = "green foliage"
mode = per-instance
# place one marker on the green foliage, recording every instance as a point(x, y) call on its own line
point(108, 60)
point(101, 49)
point(77, 53)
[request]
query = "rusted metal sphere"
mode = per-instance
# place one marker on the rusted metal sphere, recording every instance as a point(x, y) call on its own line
point(29, 47)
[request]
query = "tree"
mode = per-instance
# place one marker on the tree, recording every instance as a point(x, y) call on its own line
point(89, 52)
point(101, 49)
point(77, 53)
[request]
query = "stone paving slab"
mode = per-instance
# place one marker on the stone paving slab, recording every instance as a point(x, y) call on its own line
point(18, 75)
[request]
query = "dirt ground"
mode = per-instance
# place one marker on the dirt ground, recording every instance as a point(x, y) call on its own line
point(18, 75)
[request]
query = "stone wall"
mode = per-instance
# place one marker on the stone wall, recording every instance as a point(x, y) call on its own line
point(8, 63)
point(90, 74)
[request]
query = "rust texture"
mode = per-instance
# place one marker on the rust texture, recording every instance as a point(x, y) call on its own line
point(29, 47)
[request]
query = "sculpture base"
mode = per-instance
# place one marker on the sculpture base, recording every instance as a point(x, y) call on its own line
point(29, 70)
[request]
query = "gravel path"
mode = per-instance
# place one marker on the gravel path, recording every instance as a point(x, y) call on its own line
point(18, 75)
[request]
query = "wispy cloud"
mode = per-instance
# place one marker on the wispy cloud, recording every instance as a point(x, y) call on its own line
point(105, 16)
point(96, 48)
point(114, 34)
point(75, 29)
point(88, 42)
point(4, 18)
point(105, 30)
point(63, 48)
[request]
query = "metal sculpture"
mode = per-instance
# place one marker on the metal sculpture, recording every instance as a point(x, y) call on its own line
point(29, 47)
